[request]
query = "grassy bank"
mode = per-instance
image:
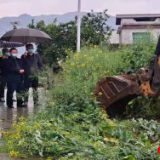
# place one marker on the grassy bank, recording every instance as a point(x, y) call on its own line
point(73, 126)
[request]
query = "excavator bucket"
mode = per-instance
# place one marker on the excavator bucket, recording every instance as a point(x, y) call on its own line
point(115, 92)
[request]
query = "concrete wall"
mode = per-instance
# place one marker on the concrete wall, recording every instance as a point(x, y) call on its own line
point(133, 22)
point(114, 39)
point(125, 37)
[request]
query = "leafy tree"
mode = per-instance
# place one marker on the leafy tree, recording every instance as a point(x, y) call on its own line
point(32, 24)
point(64, 37)
point(94, 31)
point(14, 27)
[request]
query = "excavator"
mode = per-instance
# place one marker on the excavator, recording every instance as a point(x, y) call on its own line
point(118, 91)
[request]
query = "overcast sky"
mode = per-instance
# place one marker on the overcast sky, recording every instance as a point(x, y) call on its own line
point(38, 7)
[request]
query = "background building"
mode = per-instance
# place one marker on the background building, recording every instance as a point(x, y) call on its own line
point(136, 28)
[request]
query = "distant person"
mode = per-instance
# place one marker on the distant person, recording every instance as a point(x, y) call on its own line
point(3, 72)
point(32, 64)
point(14, 78)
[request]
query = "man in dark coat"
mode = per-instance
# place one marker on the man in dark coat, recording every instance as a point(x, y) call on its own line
point(3, 72)
point(32, 64)
point(14, 78)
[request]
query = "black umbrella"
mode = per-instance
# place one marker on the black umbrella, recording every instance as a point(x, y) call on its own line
point(26, 35)
point(4, 44)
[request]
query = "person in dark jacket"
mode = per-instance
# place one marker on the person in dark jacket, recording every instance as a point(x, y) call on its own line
point(32, 64)
point(3, 72)
point(14, 78)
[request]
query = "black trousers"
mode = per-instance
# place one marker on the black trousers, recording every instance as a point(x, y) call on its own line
point(31, 81)
point(2, 86)
point(15, 86)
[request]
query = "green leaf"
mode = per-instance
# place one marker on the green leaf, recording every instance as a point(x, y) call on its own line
point(130, 157)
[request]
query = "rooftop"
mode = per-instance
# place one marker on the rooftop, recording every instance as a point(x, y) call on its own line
point(143, 17)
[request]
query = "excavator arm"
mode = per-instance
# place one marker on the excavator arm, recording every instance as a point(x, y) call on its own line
point(114, 93)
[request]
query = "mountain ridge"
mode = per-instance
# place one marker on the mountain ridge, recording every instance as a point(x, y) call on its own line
point(25, 19)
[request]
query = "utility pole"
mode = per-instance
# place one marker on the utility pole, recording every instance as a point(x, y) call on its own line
point(79, 27)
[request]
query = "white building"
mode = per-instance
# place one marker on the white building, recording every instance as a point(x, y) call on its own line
point(114, 39)
point(134, 28)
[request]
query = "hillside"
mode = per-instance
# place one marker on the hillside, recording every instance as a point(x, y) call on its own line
point(25, 19)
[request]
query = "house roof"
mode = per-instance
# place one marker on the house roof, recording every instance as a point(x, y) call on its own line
point(119, 17)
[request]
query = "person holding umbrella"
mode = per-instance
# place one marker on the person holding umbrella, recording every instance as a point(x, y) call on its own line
point(32, 64)
point(3, 72)
point(14, 78)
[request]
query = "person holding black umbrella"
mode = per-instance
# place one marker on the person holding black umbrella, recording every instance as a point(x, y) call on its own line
point(3, 72)
point(14, 78)
point(32, 64)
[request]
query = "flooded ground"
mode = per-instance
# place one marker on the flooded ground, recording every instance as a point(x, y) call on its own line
point(10, 115)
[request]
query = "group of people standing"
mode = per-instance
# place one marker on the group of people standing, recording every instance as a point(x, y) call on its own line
point(19, 74)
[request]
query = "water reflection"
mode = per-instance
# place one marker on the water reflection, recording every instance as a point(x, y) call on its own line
point(11, 115)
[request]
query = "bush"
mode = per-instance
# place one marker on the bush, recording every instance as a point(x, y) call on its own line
point(136, 57)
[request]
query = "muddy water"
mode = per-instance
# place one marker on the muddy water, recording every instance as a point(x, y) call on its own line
point(10, 115)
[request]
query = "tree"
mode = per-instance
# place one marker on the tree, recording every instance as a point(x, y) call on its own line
point(14, 27)
point(94, 31)
point(32, 24)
